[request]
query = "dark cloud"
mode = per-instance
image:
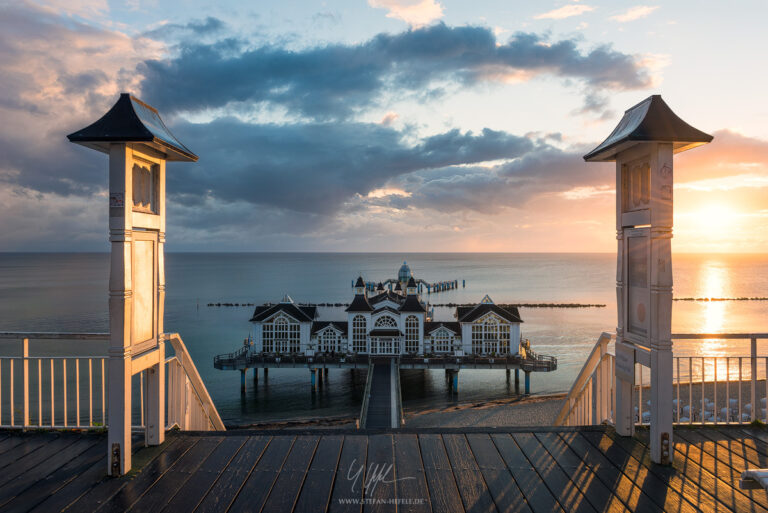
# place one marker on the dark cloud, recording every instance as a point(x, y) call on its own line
point(206, 27)
point(337, 80)
point(546, 170)
point(315, 168)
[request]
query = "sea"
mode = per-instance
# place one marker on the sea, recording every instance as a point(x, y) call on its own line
point(67, 292)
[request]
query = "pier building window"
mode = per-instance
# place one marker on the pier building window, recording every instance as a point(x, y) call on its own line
point(411, 334)
point(281, 336)
point(359, 344)
point(442, 341)
point(329, 341)
point(488, 336)
point(386, 322)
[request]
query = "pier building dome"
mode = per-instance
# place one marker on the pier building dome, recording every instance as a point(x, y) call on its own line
point(404, 273)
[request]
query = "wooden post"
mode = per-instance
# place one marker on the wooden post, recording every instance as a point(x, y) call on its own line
point(753, 369)
point(242, 381)
point(527, 382)
point(25, 372)
point(517, 381)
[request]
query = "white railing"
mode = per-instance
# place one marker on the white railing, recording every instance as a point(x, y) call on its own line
point(591, 398)
point(70, 392)
point(707, 389)
point(712, 389)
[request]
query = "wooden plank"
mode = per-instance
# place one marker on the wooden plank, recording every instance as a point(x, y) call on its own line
point(135, 486)
point(564, 491)
point(28, 445)
point(9, 442)
point(290, 479)
point(197, 486)
point(702, 469)
point(166, 487)
point(721, 462)
point(609, 473)
point(37, 459)
point(381, 483)
point(669, 475)
point(41, 469)
point(316, 491)
point(347, 491)
point(88, 480)
point(443, 492)
point(535, 493)
point(256, 488)
point(582, 476)
point(409, 468)
point(54, 482)
point(469, 480)
point(230, 481)
point(753, 451)
point(658, 490)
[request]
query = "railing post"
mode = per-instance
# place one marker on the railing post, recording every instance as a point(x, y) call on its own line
point(25, 372)
point(155, 432)
point(753, 371)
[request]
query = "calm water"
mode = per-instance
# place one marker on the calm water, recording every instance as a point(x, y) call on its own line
point(68, 292)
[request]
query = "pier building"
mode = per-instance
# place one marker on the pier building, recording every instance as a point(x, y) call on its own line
point(386, 322)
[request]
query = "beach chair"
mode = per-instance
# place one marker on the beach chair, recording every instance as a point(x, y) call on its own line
point(755, 478)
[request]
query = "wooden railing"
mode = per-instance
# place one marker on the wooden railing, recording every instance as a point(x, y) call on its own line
point(591, 398)
point(70, 392)
point(707, 389)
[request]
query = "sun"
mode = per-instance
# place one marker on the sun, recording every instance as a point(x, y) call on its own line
point(715, 218)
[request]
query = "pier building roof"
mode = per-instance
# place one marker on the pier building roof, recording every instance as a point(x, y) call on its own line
point(412, 304)
point(472, 313)
point(359, 283)
point(320, 325)
point(386, 295)
point(131, 120)
point(648, 121)
point(300, 313)
point(360, 304)
point(455, 327)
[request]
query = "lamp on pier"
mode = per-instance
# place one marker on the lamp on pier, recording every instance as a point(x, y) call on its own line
point(643, 145)
point(139, 145)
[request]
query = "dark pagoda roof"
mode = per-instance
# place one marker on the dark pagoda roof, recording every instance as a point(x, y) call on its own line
point(360, 304)
point(386, 295)
point(649, 120)
point(300, 313)
point(412, 304)
point(359, 282)
point(398, 287)
point(131, 120)
point(472, 313)
point(380, 286)
point(411, 282)
point(455, 327)
point(339, 325)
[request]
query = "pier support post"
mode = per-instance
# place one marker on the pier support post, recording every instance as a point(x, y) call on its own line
point(455, 381)
point(255, 375)
point(508, 375)
point(517, 381)
point(266, 373)
point(527, 382)
point(325, 371)
point(312, 379)
point(242, 381)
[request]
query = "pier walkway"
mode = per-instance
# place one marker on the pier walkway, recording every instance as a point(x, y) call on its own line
point(538, 469)
point(382, 405)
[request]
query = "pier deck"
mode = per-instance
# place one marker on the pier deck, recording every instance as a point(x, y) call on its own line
point(531, 469)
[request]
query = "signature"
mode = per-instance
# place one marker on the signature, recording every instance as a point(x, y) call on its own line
point(377, 473)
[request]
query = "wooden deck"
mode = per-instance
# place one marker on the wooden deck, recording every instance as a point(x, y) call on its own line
point(543, 469)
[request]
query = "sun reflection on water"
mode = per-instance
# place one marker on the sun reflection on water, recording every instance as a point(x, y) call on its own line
point(714, 283)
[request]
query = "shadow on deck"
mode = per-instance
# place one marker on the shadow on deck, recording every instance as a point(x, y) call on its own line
point(530, 469)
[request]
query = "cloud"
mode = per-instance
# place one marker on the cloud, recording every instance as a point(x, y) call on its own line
point(337, 81)
point(195, 28)
point(635, 13)
point(416, 13)
point(566, 11)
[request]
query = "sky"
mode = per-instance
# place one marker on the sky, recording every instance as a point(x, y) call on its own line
point(382, 125)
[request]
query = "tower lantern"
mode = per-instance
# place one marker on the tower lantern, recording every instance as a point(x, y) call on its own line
point(139, 145)
point(643, 145)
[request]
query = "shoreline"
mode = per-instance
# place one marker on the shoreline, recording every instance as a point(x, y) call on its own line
point(537, 410)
